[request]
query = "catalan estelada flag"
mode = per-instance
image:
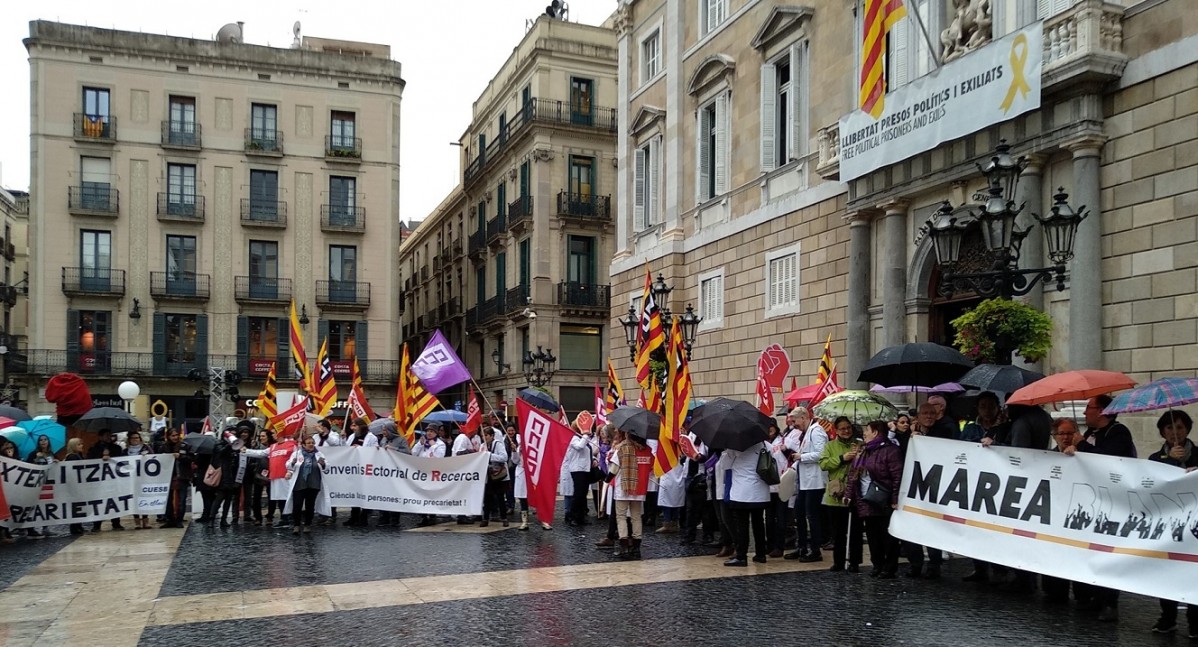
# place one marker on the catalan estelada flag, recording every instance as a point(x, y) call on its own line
point(268, 397)
point(412, 401)
point(324, 391)
point(650, 335)
point(677, 399)
point(302, 372)
point(880, 16)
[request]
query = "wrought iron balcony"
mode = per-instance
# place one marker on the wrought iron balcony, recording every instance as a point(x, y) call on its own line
point(423, 273)
point(585, 206)
point(584, 295)
point(93, 200)
point(182, 286)
point(343, 295)
point(343, 149)
point(449, 309)
point(496, 229)
point(478, 245)
point(456, 249)
point(181, 134)
point(341, 217)
point(261, 289)
point(472, 318)
point(95, 128)
point(519, 212)
point(517, 299)
point(93, 281)
point(268, 143)
point(8, 295)
point(263, 213)
point(492, 309)
point(180, 208)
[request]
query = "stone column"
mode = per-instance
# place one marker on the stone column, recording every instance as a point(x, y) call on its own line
point(894, 271)
point(1085, 271)
point(857, 344)
point(1030, 194)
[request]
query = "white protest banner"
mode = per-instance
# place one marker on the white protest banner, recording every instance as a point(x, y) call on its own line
point(379, 479)
point(1121, 523)
point(989, 85)
point(84, 491)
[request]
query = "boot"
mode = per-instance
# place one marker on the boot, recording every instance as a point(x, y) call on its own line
point(621, 549)
point(523, 521)
point(667, 527)
point(503, 519)
point(726, 551)
point(636, 549)
point(606, 542)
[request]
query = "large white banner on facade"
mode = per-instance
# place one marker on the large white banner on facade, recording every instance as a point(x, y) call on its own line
point(83, 491)
point(1122, 523)
point(989, 85)
point(378, 479)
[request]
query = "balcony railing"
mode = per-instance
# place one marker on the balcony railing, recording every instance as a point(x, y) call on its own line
point(263, 213)
point(472, 317)
point(261, 289)
point(456, 249)
point(263, 142)
point(344, 294)
point(581, 205)
point(478, 243)
point(517, 299)
point(828, 164)
point(340, 217)
point(584, 295)
point(348, 149)
point(181, 134)
point(186, 286)
point(423, 273)
point(1084, 45)
point(8, 295)
point(183, 208)
point(449, 309)
point(492, 309)
point(543, 111)
point(95, 128)
point(519, 212)
point(496, 229)
point(93, 281)
point(93, 200)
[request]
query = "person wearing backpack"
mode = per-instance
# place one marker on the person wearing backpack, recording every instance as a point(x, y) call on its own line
point(747, 494)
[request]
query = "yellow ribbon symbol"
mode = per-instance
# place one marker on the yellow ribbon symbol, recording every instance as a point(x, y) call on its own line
point(1019, 82)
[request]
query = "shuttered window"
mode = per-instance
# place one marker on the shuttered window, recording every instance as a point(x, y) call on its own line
point(712, 148)
point(711, 299)
point(782, 281)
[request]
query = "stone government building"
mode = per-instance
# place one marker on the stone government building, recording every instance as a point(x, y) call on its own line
point(751, 222)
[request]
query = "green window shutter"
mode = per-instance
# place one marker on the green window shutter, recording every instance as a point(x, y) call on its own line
point(501, 274)
point(591, 253)
point(283, 368)
point(243, 345)
point(159, 343)
point(73, 341)
point(202, 341)
point(524, 179)
point(480, 280)
point(501, 198)
point(322, 332)
point(525, 262)
point(361, 337)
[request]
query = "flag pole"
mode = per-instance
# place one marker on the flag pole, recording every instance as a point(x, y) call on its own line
point(924, 30)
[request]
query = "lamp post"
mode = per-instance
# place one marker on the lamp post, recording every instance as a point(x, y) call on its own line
point(688, 321)
point(498, 362)
point(128, 390)
point(539, 366)
point(1002, 237)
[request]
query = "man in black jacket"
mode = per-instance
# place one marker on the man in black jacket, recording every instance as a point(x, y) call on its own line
point(106, 447)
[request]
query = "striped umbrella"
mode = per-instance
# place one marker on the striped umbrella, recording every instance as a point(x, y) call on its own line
point(1165, 393)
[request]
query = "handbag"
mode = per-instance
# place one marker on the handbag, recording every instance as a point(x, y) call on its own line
point(497, 472)
point(877, 495)
point(766, 468)
point(212, 476)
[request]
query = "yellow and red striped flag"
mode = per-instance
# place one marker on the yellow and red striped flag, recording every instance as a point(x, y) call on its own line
point(650, 335)
point(880, 16)
point(268, 397)
point(302, 372)
point(826, 376)
point(324, 391)
point(677, 399)
point(412, 401)
point(613, 397)
point(357, 395)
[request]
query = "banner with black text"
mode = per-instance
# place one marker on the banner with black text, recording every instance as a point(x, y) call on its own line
point(1121, 523)
point(85, 491)
point(379, 479)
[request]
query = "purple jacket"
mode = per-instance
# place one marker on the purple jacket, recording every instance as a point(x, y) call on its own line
point(884, 462)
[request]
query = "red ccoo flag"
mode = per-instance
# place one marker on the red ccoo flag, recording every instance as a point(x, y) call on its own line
point(543, 443)
point(474, 415)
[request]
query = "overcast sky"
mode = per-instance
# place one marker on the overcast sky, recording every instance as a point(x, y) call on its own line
point(449, 50)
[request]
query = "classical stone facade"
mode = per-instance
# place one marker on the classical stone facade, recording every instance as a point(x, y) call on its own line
point(719, 189)
point(516, 257)
point(14, 256)
point(185, 191)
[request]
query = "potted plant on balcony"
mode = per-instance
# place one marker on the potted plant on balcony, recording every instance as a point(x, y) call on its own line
point(990, 331)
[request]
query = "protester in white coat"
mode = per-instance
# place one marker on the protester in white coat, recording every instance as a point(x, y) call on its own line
point(497, 477)
point(746, 495)
point(431, 446)
point(806, 444)
point(576, 468)
point(671, 496)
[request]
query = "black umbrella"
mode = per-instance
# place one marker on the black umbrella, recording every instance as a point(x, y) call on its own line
point(998, 378)
point(730, 424)
point(915, 364)
point(200, 443)
point(111, 418)
point(539, 399)
point(13, 413)
point(636, 421)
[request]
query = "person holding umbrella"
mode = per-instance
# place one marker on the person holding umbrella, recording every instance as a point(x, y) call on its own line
point(1178, 451)
point(42, 454)
point(838, 456)
point(106, 448)
point(630, 463)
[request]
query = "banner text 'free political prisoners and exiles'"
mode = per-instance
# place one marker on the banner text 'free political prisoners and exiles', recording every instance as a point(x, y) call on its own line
point(1122, 523)
point(378, 479)
point(85, 491)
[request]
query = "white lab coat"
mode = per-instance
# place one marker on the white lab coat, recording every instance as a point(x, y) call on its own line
point(808, 447)
point(741, 469)
point(435, 449)
point(671, 489)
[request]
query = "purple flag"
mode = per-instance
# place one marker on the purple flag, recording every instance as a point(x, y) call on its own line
point(438, 367)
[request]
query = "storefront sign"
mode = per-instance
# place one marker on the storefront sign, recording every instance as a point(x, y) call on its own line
point(992, 84)
point(107, 401)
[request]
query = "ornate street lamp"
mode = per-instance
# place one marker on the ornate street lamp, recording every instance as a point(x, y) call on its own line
point(539, 366)
point(1002, 237)
point(498, 363)
point(688, 321)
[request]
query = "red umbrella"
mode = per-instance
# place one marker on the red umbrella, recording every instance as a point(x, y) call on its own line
point(1071, 385)
point(5, 423)
point(799, 395)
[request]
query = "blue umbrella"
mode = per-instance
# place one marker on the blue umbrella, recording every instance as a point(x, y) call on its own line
point(20, 438)
point(48, 428)
point(446, 416)
point(539, 399)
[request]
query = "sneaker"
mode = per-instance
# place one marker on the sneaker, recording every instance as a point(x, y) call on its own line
point(1164, 626)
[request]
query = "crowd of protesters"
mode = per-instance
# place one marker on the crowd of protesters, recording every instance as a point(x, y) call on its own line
point(846, 482)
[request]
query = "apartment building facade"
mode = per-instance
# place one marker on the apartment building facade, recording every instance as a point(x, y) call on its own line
point(14, 214)
point(515, 258)
point(184, 192)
